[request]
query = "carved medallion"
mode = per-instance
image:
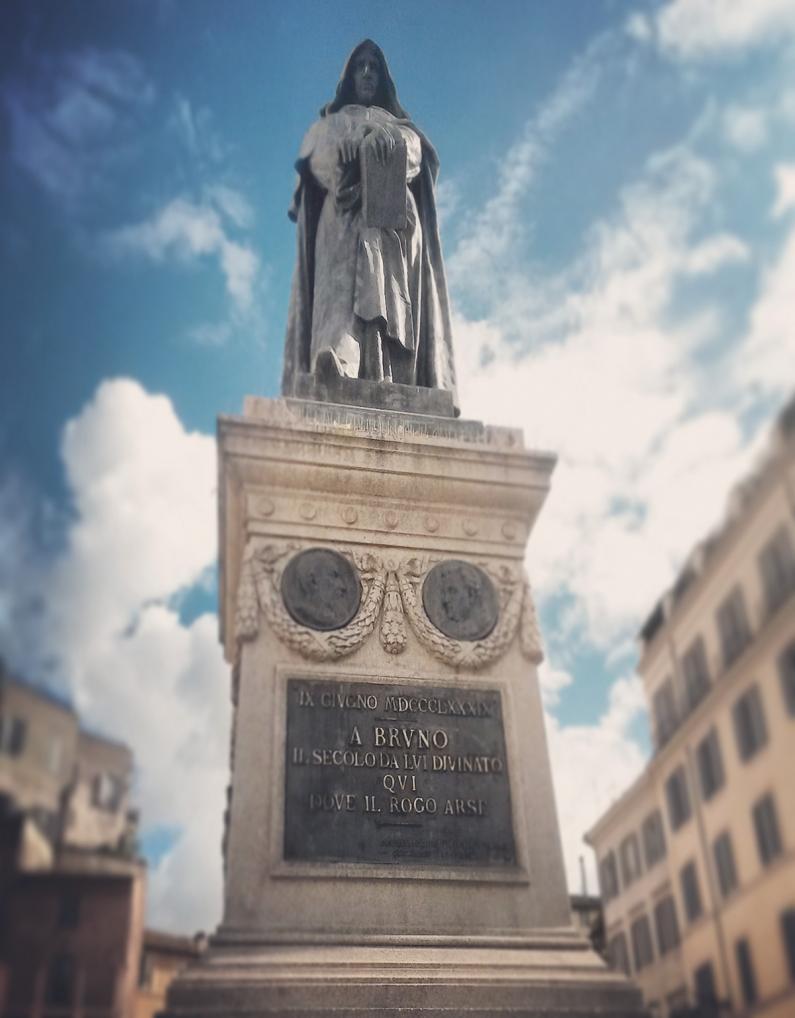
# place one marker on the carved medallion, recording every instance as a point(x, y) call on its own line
point(321, 589)
point(460, 600)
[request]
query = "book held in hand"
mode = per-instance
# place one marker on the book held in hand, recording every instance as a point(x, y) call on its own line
point(384, 188)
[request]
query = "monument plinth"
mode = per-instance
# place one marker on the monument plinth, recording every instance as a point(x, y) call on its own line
point(392, 845)
point(392, 840)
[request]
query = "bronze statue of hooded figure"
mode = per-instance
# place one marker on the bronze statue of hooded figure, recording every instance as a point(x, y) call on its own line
point(367, 301)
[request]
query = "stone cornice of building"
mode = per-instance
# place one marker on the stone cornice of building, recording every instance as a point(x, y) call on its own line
point(703, 560)
point(91, 862)
point(639, 786)
point(173, 943)
point(62, 702)
point(719, 690)
point(82, 864)
point(106, 740)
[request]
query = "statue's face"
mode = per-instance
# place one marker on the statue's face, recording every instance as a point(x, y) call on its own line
point(366, 76)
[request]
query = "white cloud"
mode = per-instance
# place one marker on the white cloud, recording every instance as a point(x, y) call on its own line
point(638, 27)
point(74, 116)
point(164, 690)
point(448, 199)
point(598, 371)
point(145, 522)
point(234, 205)
point(765, 360)
point(591, 766)
point(144, 530)
point(714, 253)
point(196, 130)
point(477, 263)
point(745, 127)
point(786, 105)
point(212, 333)
point(785, 189)
point(185, 230)
point(693, 29)
point(552, 681)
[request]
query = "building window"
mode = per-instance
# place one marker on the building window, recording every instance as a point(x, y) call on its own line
point(690, 891)
point(724, 864)
point(710, 765)
point(733, 626)
point(608, 876)
point(749, 723)
point(678, 799)
point(745, 970)
point(46, 820)
point(777, 566)
point(107, 791)
point(786, 669)
point(653, 838)
point(642, 949)
point(618, 955)
point(55, 755)
point(788, 933)
point(768, 838)
point(13, 735)
point(146, 970)
point(61, 981)
point(696, 673)
point(704, 984)
point(630, 859)
point(69, 911)
point(666, 924)
point(664, 708)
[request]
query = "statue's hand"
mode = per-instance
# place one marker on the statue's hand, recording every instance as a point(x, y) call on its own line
point(349, 148)
point(381, 142)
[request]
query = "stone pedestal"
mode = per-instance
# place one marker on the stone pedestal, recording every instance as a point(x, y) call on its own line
point(392, 843)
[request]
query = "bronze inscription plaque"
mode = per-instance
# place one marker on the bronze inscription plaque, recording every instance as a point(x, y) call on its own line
point(393, 774)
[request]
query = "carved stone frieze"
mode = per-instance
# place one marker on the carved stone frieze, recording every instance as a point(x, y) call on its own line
point(510, 587)
point(393, 625)
point(261, 581)
point(393, 592)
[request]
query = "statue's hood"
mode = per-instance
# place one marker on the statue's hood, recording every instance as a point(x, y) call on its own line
point(345, 95)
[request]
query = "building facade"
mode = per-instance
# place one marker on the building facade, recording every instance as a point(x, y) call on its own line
point(73, 783)
point(70, 939)
point(163, 957)
point(71, 890)
point(697, 858)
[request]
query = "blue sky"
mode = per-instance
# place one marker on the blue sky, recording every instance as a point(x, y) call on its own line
point(618, 218)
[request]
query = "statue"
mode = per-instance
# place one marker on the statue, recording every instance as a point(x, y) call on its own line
point(369, 297)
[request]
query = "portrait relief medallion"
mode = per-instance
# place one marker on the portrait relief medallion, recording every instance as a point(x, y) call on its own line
point(321, 589)
point(460, 600)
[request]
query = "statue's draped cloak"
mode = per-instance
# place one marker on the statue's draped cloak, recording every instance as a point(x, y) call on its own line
point(434, 364)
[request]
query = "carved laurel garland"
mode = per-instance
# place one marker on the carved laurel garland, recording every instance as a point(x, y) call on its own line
point(393, 625)
point(530, 642)
point(260, 588)
point(462, 653)
point(398, 593)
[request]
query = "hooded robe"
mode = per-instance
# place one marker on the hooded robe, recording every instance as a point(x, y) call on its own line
point(348, 274)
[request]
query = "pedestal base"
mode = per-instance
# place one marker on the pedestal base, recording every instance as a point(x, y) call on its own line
point(389, 769)
point(360, 392)
point(556, 976)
